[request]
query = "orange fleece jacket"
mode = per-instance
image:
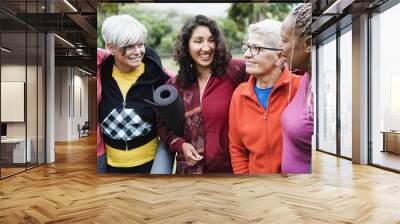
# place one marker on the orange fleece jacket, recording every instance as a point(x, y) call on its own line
point(255, 134)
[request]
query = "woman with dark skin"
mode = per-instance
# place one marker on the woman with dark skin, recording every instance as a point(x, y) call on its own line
point(298, 118)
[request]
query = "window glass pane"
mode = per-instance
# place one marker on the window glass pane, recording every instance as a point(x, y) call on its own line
point(346, 94)
point(23, 87)
point(31, 97)
point(15, 150)
point(327, 96)
point(41, 98)
point(385, 86)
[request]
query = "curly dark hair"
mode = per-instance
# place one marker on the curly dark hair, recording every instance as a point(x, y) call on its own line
point(187, 74)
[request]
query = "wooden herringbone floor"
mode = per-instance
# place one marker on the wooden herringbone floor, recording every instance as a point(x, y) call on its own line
point(69, 191)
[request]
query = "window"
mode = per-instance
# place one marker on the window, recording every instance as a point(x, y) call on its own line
point(385, 89)
point(346, 74)
point(327, 95)
point(22, 75)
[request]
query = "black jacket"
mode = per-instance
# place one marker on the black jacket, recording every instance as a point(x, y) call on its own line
point(138, 126)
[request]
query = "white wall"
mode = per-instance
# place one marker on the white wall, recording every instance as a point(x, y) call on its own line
point(80, 110)
point(61, 103)
point(15, 73)
point(71, 94)
point(33, 126)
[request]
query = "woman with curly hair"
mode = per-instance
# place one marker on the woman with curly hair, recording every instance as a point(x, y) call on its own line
point(206, 79)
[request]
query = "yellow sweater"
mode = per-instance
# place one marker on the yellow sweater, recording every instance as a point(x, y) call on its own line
point(139, 155)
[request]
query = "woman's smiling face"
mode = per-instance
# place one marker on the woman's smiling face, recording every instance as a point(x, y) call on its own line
point(202, 46)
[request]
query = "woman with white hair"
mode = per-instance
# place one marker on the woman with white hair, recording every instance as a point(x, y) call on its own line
point(254, 118)
point(127, 75)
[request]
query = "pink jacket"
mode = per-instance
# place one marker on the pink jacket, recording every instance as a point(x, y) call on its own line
point(101, 55)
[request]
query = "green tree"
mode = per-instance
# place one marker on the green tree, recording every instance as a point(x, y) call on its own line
point(156, 28)
point(158, 24)
point(241, 14)
point(167, 43)
point(244, 14)
point(233, 36)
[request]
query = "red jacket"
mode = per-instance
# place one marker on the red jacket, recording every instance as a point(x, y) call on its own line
point(255, 133)
point(214, 116)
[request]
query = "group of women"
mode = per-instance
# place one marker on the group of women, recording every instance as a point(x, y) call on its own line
point(241, 116)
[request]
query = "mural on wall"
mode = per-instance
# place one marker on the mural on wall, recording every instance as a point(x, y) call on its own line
point(172, 86)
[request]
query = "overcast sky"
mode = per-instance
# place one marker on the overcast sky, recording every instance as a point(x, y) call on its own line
point(209, 9)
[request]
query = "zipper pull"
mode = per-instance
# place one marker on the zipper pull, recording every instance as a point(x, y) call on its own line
point(123, 104)
point(126, 146)
point(265, 115)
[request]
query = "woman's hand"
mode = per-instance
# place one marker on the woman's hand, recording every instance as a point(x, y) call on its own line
point(192, 157)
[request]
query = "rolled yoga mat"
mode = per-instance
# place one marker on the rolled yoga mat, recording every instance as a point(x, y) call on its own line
point(169, 106)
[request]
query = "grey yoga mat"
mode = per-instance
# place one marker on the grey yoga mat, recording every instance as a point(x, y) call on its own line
point(169, 106)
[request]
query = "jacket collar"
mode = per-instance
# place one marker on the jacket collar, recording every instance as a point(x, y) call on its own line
point(283, 80)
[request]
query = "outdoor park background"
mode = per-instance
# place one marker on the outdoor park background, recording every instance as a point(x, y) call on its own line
point(164, 21)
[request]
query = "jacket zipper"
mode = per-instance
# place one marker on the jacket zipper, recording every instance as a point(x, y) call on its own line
point(123, 107)
point(266, 118)
point(123, 99)
point(266, 121)
point(268, 146)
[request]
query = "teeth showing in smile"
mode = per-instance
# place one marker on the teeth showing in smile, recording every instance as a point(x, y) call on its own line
point(205, 56)
point(135, 58)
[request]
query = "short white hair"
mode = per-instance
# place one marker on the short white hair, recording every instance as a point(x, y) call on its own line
point(269, 30)
point(122, 31)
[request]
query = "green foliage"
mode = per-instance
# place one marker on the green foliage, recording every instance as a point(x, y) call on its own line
point(233, 36)
point(167, 43)
point(100, 42)
point(157, 24)
point(108, 9)
point(163, 25)
point(243, 14)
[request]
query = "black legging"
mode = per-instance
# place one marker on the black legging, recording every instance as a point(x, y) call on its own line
point(145, 168)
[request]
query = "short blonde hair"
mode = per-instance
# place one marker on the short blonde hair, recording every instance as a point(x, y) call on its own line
point(122, 31)
point(270, 31)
